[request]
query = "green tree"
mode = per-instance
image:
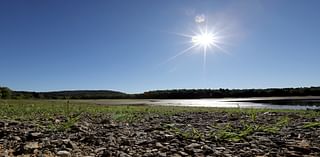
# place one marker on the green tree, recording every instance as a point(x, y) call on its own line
point(5, 92)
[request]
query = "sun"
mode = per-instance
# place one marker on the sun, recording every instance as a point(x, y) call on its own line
point(204, 39)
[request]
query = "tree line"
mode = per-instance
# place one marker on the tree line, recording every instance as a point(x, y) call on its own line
point(230, 93)
point(7, 93)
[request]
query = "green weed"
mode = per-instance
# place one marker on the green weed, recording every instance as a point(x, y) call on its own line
point(311, 125)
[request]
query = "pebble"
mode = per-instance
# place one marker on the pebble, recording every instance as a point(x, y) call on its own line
point(192, 145)
point(99, 149)
point(162, 154)
point(159, 145)
point(150, 139)
point(36, 134)
point(64, 153)
point(31, 145)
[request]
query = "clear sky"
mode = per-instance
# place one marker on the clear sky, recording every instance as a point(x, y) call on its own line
point(127, 45)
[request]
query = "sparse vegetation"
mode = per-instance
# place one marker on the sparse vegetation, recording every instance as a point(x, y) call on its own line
point(194, 129)
point(312, 125)
point(37, 110)
point(233, 133)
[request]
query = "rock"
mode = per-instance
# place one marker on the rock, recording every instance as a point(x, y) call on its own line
point(64, 153)
point(173, 150)
point(65, 141)
point(33, 135)
point(122, 154)
point(315, 149)
point(17, 138)
point(31, 145)
point(36, 134)
point(167, 136)
point(192, 145)
point(72, 145)
point(149, 139)
point(257, 151)
point(162, 154)
point(57, 121)
point(112, 140)
point(107, 153)
point(197, 150)
point(46, 141)
point(217, 152)
point(141, 142)
point(175, 155)
point(304, 150)
point(304, 143)
point(99, 149)
point(159, 145)
point(264, 139)
point(228, 155)
point(2, 124)
point(221, 148)
point(292, 154)
point(207, 148)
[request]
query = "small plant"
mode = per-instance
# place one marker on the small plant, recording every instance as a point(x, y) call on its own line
point(196, 134)
point(283, 121)
point(245, 129)
point(64, 126)
point(225, 132)
point(248, 130)
point(253, 116)
point(192, 133)
point(311, 125)
point(221, 135)
point(125, 117)
point(269, 129)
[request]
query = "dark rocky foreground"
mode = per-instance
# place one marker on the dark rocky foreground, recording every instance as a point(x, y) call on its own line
point(182, 134)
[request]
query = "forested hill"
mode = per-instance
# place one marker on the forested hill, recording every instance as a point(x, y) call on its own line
point(6, 93)
point(76, 94)
point(231, 93)
point(85, 94)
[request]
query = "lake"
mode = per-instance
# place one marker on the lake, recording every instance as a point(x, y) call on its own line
point(310, 102)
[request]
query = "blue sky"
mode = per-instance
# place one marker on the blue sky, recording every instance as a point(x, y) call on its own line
point(124, 45)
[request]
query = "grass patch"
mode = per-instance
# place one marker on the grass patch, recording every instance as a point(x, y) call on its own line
point(188, 133)
point(37, 111)
point(311, 125)
point(63, 126)
point(237, 132)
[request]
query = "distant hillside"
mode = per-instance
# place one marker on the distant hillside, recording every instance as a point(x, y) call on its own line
point(76, 94)
point(6, 93)
point(87, 94)
point(230, 93)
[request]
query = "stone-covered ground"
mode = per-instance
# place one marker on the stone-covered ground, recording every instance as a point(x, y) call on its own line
point(179, 134)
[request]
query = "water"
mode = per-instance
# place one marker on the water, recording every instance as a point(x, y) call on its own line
point(268, 103)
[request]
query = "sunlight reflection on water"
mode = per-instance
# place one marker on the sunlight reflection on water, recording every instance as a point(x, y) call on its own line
point(227, 103)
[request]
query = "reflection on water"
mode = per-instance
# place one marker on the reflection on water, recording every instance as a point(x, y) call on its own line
point(242, 103)
point(311, 102)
